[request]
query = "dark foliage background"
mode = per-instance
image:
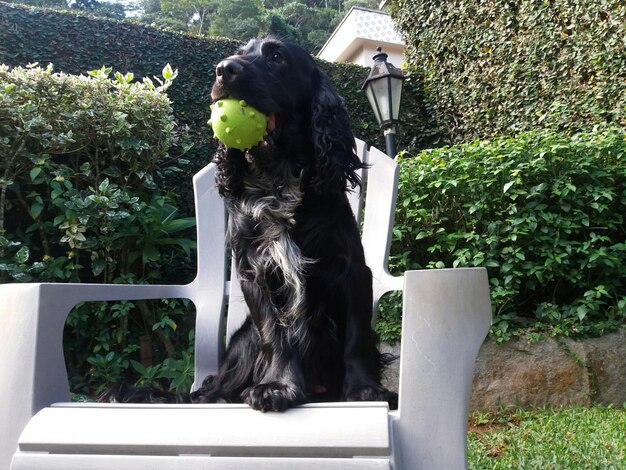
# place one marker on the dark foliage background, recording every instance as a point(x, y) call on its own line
point(75, 43)
point(130, 222)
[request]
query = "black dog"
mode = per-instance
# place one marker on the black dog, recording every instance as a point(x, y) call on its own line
point(296, 245)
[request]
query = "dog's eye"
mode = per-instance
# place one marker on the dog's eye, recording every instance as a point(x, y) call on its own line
point(278, 58)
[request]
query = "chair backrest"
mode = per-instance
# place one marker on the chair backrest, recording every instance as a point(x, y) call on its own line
point(373, 207)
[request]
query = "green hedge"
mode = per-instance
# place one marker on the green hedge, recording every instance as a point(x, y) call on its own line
point(544, 213)
point(500, 67)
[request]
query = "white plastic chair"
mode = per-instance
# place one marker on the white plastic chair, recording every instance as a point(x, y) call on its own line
point(446, 317)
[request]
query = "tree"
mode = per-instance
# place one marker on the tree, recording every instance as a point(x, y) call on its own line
point(193, 13)
point(239, 19)
point(56, 4)
point(84, 4)
point(104, 8)
point(279, 27)
point(151, 6)
point(313, 24)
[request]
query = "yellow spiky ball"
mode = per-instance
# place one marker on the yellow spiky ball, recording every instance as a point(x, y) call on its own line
point(237, 124)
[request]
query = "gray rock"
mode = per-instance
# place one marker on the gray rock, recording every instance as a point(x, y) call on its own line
point(606, 362)
point(549, 372)
point(528, 375)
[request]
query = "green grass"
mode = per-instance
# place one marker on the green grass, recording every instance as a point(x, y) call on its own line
point(549, 439)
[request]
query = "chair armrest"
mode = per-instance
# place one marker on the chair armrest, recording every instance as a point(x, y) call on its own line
point(446, 317)
point(32, 365)
point(72, 294)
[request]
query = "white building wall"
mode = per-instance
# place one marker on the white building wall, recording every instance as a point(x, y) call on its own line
point(359, 34)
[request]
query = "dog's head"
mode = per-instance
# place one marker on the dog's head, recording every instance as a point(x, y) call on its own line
point(307, 120)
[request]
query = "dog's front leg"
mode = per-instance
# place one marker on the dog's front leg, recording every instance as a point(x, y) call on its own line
point(278, 381)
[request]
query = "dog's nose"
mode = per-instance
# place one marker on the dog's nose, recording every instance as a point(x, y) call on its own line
point(228, 70)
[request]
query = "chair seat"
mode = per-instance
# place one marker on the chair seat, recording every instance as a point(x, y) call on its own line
point(130, 436)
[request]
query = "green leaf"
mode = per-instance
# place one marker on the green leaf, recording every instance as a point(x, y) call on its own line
point(34, 173)
point(168, 73)
point(22, 255)
point(22, 277)
point(421, 235)
point(139, 367)
point(150, 253)
point(35, 210)
point(97, 266)
point(104, 186)
point(177, 225)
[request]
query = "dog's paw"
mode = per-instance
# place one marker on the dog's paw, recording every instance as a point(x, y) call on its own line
point(372, 393)
point(273, 396)
point(211, 392)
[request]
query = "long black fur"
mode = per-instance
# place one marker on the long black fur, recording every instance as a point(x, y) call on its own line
point(296, 245)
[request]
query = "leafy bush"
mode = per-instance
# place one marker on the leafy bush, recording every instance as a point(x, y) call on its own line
point(544, 213)
point(81, 162)
point(103, 341)
point(78, 156)
point(501, 67)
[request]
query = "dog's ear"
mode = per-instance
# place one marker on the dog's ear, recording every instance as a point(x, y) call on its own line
point(231, 164)
point(335, 160)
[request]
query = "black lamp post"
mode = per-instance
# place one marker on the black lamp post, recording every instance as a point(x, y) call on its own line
point(383, 87)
